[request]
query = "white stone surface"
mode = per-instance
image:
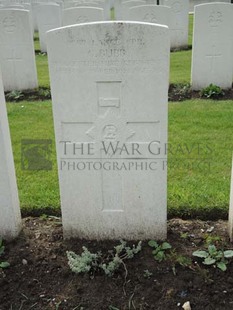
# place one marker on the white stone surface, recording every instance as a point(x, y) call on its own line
point(72, 4)
point(82, 15)
point(192, 3)
point(157, 14)
point(105, 5)
point(28, 7)
point(49, 16)
point(13, 6)
point(179, 22)
point(24, 6)
point(34, 5)
point(230, 220)
point(212, 45)
point(121, 7)
point(17, 57)
point(109, 84)
point(10, 219)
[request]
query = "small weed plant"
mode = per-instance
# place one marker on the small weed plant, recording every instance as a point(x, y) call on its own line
point(164, 251)
point(89, 262)
point(14, 95)
point(3, 264)
point(212, 91)
point(182, 89)
point(159, 251)
point(147, 274)
point(214, 257)
point(45, 93)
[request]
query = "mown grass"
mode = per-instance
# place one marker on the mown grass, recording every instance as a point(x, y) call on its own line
point(199, 159)
point(33, 120)
point(190, 38)
point(36, 41)
point(198, 181)
point(180, 67)
point(42, 70)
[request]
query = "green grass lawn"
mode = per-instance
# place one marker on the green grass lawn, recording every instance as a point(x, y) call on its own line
point(190, 29)
point(33, 120)
point(36, 41)
point(197, 180)
point(200, 134)
point(42, 70)
point(180, 67)
point(200, 148)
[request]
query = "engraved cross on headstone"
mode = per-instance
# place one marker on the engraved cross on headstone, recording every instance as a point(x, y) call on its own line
point(213, 56)
point(13, 59)
point(111, 126)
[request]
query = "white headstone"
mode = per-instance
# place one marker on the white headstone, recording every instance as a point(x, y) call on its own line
point(212, 48)
point(121, 7)
point(82, 15)
point(26, 7)
point(17, 57)
point(192, 3)
point(10, 219)
point(230, 220)
point(35, 25)
point(34, 5)
point(179, 23)
point(49, 16)
point(105, 5)
point(157, 14)
point(109, 84)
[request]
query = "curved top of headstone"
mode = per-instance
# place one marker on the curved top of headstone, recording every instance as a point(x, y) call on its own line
point(105, 23)
point(214, 4)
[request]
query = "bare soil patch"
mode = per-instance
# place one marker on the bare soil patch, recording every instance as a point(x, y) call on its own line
point(39, 276)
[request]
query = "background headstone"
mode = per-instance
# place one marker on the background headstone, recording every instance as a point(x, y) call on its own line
point(10, 218)
point(157, 14)
point(121, 7)
point(105, 5)
point(24, 6)
point(17, 56)
point(212, 45)
point(109, 84)
point(192, 3)
point(179, 22)
point(48, 16)
point(82, 15)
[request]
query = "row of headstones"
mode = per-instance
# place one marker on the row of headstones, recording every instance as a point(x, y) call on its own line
point(46, 16)
point(212, 55)
point(100, 75)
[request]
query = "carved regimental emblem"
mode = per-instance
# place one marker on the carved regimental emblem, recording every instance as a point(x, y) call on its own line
point(9, 24)
point(82, 19)
point(215, 19)
point(110, 132)
point(150, 17)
